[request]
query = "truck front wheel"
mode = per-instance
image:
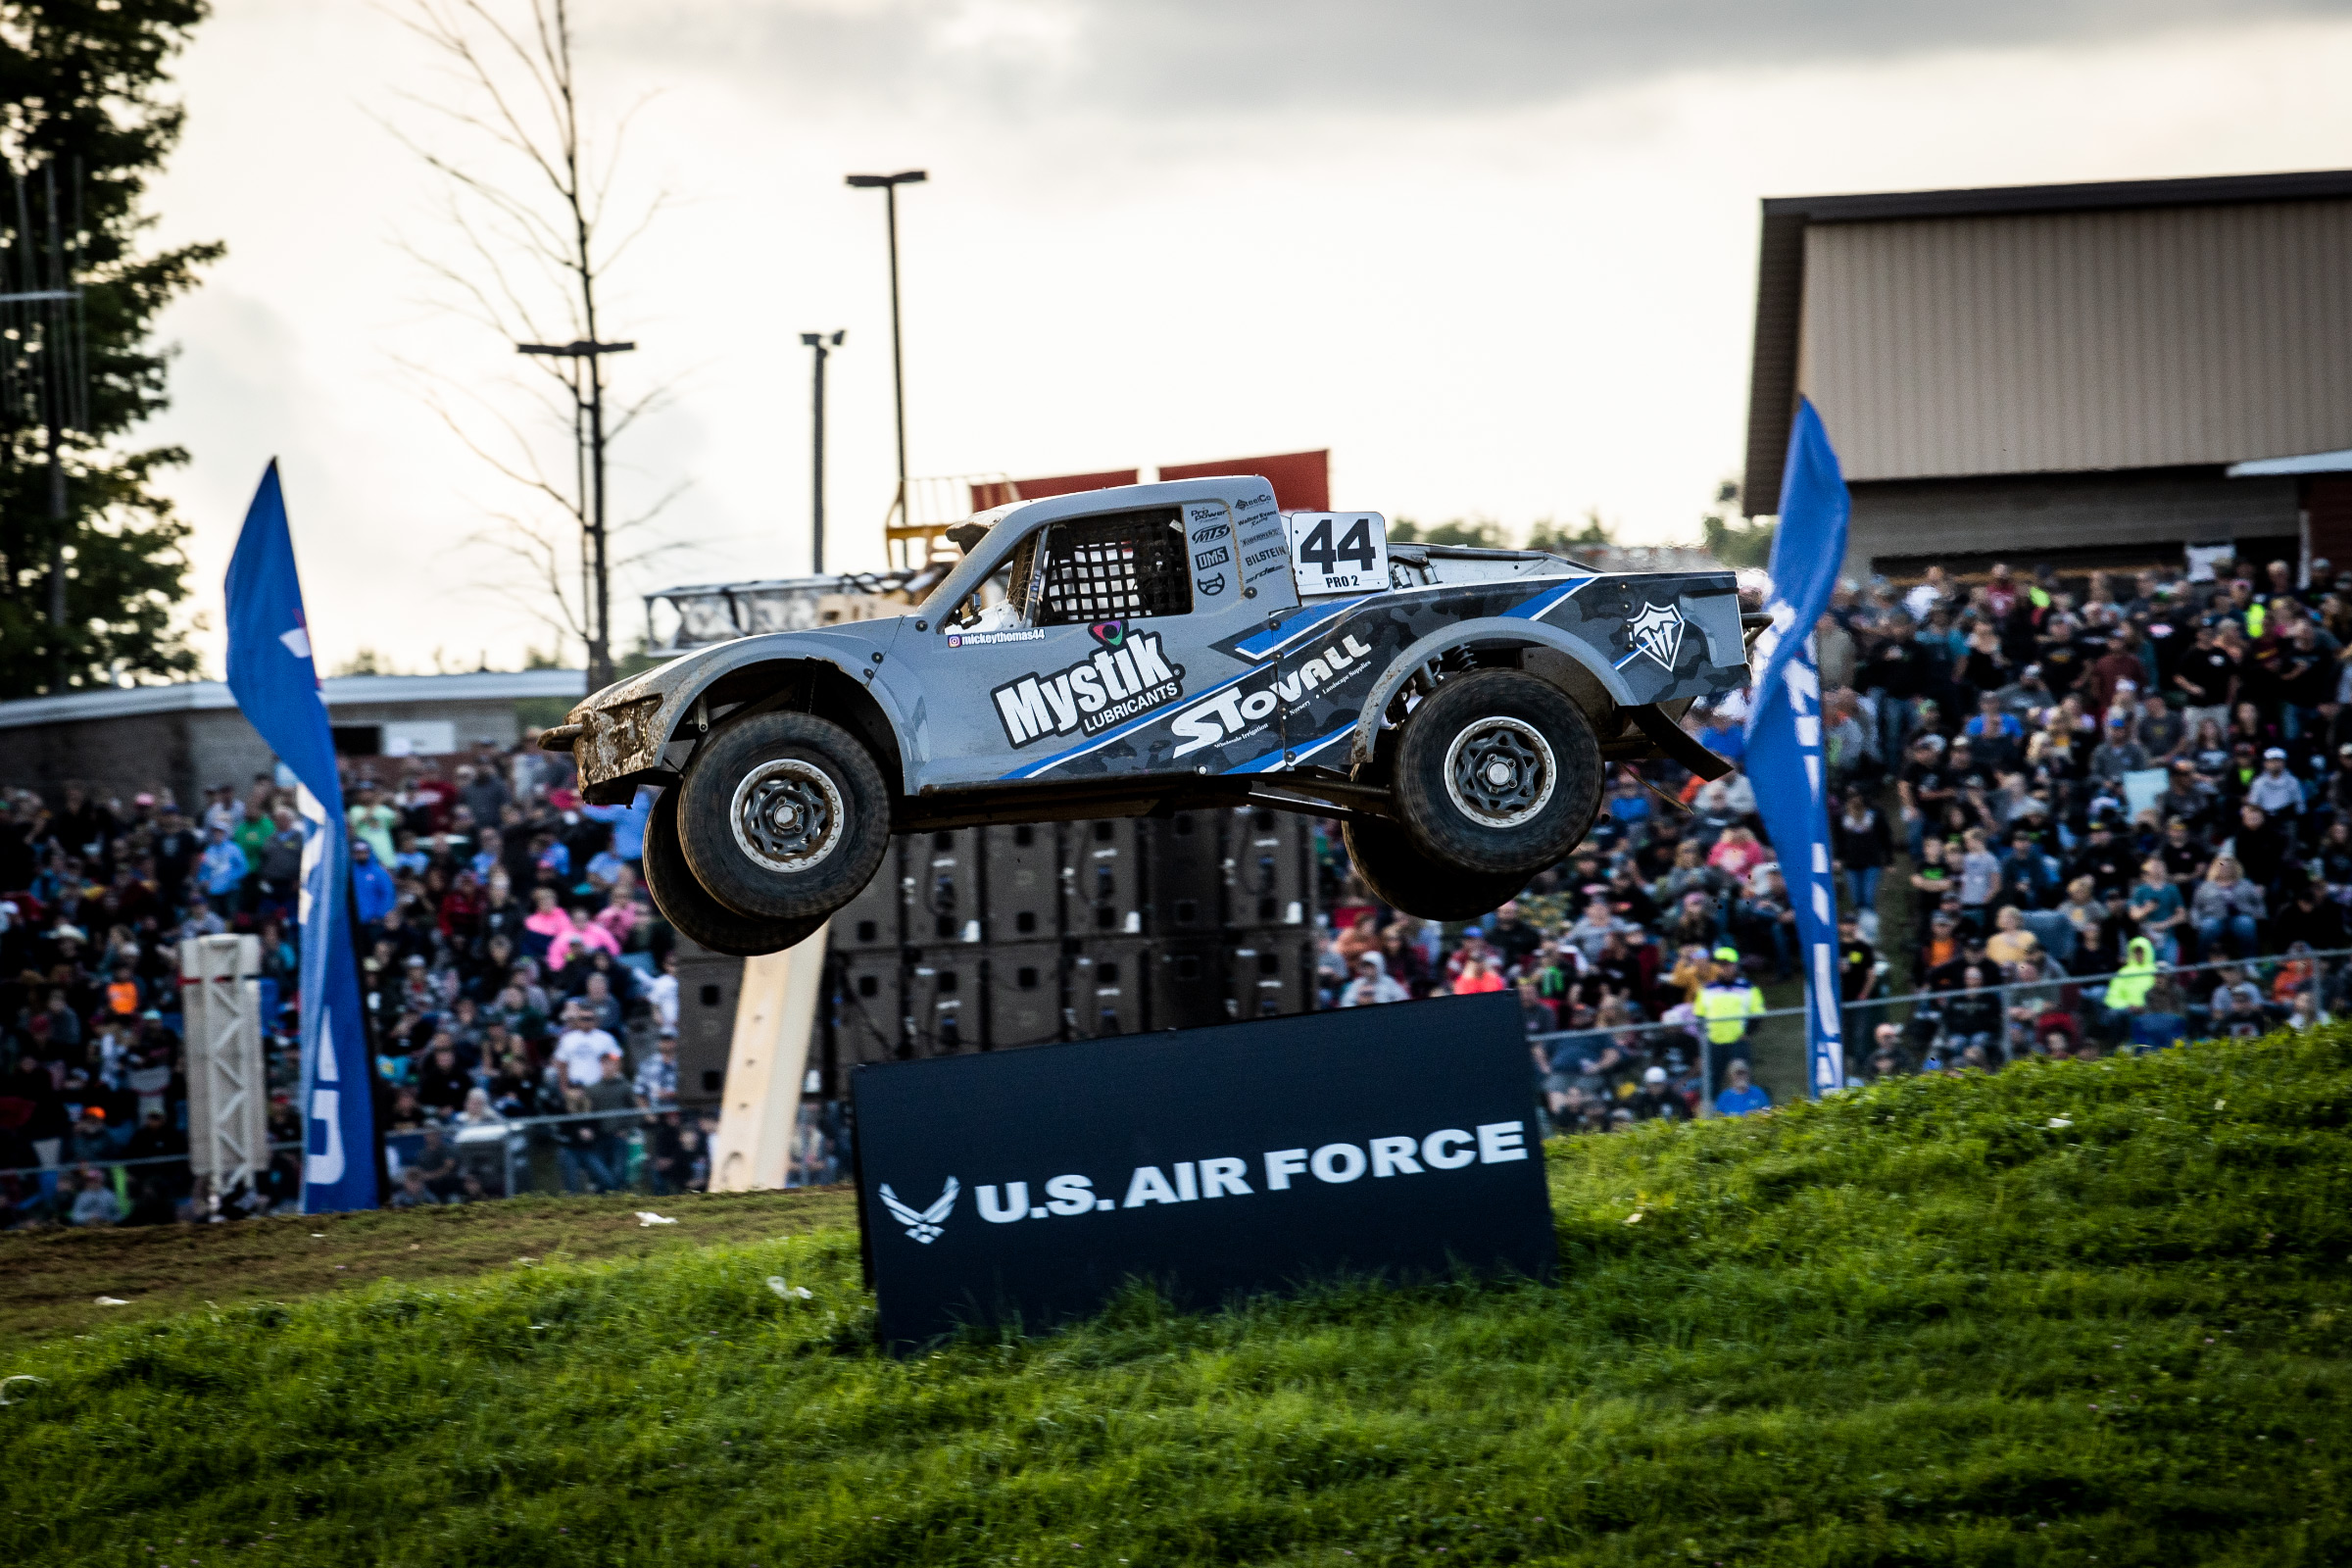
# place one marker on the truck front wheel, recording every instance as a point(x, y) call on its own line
point(697, 915)
point(1404, 877)
point(784, 817)
point(1497, 772)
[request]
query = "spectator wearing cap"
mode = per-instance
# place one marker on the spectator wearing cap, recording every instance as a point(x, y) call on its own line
point(2277, 791)
point(1741, 1095)
point(1723, 1006)
point(220, 870)
point(582, 1048)
point(1656, 1100)
point(2117, 753)
point(657, 1075)
point(1369, 983)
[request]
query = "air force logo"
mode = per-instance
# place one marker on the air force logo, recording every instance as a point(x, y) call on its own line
point(926, 1226)
point(1658, 632)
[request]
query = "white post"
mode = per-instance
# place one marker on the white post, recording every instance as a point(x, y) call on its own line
point(775, 1015)
point(228, 1097)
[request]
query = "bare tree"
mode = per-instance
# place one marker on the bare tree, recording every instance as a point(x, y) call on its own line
point(528, 200)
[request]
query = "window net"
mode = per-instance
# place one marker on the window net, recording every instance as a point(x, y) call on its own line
point(1118, 567)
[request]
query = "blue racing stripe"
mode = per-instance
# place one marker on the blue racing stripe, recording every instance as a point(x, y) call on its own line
point(1259, 644)
point(1534, 608)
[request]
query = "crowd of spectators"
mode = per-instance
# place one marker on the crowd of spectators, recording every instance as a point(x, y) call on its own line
point(2039, 782)
point(2037, 779)
point(512, 963)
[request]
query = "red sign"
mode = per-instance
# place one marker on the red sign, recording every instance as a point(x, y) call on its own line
point(995, 493)
point(1302, 480)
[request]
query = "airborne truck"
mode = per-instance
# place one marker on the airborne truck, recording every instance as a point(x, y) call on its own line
point(1153, 648)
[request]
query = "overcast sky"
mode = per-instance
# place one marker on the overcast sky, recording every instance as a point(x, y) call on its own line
point(1498, 257)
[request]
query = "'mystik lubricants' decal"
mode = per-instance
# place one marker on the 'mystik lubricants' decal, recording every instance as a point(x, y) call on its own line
point(1128, 675)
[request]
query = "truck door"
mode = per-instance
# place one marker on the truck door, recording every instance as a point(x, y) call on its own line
point(1080, 648)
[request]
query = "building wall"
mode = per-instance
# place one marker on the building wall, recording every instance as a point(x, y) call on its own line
point(192, 750)
point(473, 720)
point(2031, 514)
point(2079, 341)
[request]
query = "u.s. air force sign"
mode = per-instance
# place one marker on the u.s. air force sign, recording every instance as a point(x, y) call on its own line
point(1027, 1186)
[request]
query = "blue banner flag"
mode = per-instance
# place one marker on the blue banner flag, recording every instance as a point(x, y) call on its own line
point(275, 682)
point(1785, 761)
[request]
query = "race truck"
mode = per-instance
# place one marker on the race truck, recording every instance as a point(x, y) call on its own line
point(1153, 648)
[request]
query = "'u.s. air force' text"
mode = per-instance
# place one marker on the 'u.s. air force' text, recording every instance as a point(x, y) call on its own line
point(1187, 1180)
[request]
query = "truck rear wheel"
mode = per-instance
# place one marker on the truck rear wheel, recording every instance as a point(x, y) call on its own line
point(1402, 876)
point(1497, 772)
point(698, 916)
point(784, 817)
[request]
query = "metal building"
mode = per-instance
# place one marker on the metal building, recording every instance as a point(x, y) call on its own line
point(2085, 376)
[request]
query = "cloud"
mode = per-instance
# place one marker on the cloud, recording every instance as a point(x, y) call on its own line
point(1179, 60)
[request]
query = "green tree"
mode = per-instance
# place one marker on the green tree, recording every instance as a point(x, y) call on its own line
point(1546, 534)
point(85, 122)
point(1729, 540)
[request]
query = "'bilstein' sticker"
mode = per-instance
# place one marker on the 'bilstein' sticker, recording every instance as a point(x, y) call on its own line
point(1107, 687)
point(1258, 532)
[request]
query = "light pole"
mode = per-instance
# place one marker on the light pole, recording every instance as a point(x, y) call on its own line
point(825, 347)
point(592, 506)
point(889, 186)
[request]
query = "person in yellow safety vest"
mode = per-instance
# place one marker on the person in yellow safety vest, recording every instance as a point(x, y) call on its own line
point(1725, 1004)
point(2137, 978)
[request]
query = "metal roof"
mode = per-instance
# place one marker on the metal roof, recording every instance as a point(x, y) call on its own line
point(1782, 251)
point(342, 691)
point(2308, 462)
point(2104, 196)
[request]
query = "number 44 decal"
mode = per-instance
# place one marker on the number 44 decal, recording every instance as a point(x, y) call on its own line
point(1338, 552)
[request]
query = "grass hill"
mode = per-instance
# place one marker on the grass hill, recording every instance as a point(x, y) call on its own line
point(2070, 1314)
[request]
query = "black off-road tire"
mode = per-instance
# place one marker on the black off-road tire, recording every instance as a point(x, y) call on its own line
point(698, 916)
point(1499, 773)
point(784, 817)
point(1405, 878)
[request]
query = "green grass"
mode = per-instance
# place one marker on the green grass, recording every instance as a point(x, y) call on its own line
point(1925, 1324)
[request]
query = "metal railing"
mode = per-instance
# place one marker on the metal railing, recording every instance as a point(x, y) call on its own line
point(1987, 1026)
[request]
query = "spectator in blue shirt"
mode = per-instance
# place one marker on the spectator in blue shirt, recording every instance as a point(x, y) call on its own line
point(222, 870)
point(1725, 737)
point(1740, 1095)
point(371, 884)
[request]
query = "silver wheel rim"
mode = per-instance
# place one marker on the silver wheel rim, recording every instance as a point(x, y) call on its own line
point(786, 814)
point(1499, 771)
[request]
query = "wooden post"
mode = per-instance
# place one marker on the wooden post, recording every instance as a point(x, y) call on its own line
point(774, 1018)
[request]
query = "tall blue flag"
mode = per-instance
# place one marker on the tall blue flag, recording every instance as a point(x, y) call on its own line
point(276, 684)
point(1785, 761)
